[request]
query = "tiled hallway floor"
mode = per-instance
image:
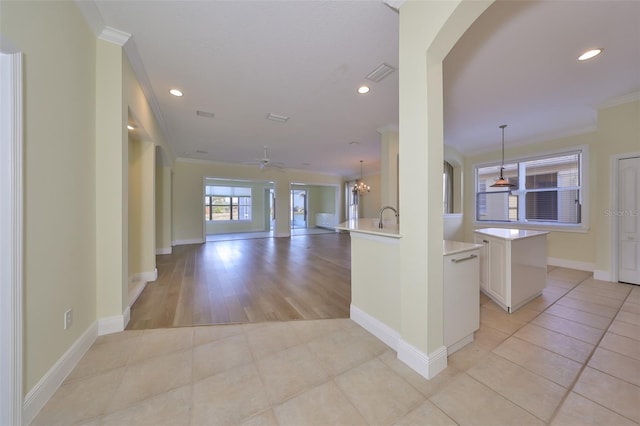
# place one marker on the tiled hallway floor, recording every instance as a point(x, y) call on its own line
point(569, 357)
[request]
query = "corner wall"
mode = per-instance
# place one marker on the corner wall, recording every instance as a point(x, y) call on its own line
point(59, 182)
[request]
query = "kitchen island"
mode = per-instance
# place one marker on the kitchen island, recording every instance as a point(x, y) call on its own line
point(513, 265)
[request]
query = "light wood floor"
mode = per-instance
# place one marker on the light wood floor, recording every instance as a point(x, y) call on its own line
point(269, 279)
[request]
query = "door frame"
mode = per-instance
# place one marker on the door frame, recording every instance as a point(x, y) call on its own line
point(11, 227)
point(615, 170)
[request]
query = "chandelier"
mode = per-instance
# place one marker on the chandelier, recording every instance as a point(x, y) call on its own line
point(502, 182)
point(360, 188)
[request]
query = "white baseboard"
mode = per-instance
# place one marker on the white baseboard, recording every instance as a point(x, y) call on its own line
point(144, 276)
point(379, 329)
point(428, 366)
point(601, 275)
point(282, 234)
point(114, 324)
point(51, 381)
point(185, 242)
point(571, 264)
point(164, 250)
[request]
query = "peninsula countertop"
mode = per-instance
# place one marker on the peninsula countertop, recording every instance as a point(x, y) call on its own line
point(510, 233)
point(367, 225)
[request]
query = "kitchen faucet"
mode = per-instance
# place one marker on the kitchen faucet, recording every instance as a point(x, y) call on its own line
point(382, 211)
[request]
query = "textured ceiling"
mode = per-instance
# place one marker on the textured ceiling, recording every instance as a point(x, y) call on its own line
point(305, 59)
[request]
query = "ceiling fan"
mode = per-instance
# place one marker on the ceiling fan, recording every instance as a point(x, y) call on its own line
point(265, 161)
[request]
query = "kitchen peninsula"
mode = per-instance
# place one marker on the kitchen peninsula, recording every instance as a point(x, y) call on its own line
point(513, 265)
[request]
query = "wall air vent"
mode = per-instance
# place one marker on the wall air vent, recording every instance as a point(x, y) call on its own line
point(200, 151)
point(278, 118)
point(205, 114)
point(380, 73)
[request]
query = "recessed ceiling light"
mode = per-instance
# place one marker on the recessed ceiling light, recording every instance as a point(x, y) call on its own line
point(363, 89)
point(175, 92)
point(130, 127)
point(590, 54)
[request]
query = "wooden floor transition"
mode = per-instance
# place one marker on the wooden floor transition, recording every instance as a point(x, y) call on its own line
point(242, 281)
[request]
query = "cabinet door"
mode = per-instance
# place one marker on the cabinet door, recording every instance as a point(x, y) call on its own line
point(484, 262)
point(497, 266)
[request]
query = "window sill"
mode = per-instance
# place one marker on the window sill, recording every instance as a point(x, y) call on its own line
point(580, 229)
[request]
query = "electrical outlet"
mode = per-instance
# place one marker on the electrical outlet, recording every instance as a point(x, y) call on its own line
point(68, 318)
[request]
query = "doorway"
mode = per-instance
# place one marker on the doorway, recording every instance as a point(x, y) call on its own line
point(628, 217)
point(298, 208)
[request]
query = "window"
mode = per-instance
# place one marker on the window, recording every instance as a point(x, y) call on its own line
point(548, 191)
point(227, 203)
point(447, 188)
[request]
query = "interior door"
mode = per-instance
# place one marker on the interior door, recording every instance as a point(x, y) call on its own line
point(628, 215)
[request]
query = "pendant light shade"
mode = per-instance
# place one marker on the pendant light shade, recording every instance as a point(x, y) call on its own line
point(502, 182)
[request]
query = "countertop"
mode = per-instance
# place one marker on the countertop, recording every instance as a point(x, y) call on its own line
point(370, 226)
point(455, 247)
point(510, 233)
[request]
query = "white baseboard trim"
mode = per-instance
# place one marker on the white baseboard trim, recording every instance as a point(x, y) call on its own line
point(164, 250)
point(379, 329)
point(601, 275)
point(114, 324)
point(283, 234)
point(428, 366)
point(185, 242)
point(571, 264)
point(51, 381)
point(144, 276)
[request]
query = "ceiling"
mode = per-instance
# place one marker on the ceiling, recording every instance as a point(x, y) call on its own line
point(304, 60)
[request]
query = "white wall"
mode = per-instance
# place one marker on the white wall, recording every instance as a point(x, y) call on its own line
point(59, 107)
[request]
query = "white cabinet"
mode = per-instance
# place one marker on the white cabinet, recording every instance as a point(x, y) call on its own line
point(461, 294)
point(513, 265)
point(492, 267)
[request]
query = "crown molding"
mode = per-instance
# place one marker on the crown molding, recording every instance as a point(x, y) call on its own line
point(114, 35)
point(620, 100)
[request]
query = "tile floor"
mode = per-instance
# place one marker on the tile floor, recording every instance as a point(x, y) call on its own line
point(569, 357)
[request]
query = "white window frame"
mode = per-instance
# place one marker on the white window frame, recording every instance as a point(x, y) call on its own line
point(583, 226)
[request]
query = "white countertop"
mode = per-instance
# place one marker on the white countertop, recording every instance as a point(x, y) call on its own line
point(370, 226)
point(455, 247)
point(510, 233)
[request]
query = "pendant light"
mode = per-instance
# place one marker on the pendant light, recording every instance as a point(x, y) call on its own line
point(360, 188)
point(502, 182)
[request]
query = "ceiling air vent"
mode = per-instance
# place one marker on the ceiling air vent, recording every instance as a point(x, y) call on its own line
point(201, 151)
point(205, 114)
point(278, 118)
point(380, 73)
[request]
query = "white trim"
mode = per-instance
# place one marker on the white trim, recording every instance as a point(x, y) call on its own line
point(164, 250)
point(51, 381)
point(145, 276)
point(115, 323)
point(114, 35)
point(11, 240)
point(379, 329)
point(189, 241)
point(428, 366)
point(603, 275)
point(613, 229)
point(619, 100)
point(571, 264)
point(282, 234)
